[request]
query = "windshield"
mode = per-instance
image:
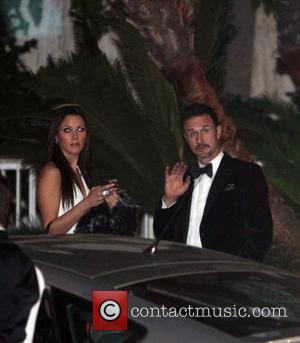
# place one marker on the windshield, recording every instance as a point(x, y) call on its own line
point(238, 303)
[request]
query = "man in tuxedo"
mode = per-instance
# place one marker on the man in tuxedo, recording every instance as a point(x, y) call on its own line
point(18, 284)
point(220, 203)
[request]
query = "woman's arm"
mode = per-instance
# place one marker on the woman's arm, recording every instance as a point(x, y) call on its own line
point(49, 195)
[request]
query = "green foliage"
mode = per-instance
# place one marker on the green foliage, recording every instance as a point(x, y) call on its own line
point(155, 96)
point(213, 33)
point(270, 128)
point(19, 108)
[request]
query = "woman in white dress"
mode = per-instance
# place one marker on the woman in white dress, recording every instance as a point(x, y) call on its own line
point(63, 182)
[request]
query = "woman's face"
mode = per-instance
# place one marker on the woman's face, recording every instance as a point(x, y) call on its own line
point(71, 135)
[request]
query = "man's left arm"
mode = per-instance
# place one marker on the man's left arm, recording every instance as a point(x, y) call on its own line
point(19, 292)
point(258, 222)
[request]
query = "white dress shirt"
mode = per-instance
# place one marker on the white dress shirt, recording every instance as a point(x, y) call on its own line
point(201, 189)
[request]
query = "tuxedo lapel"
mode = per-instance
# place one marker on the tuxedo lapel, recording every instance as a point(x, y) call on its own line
point(224, 171)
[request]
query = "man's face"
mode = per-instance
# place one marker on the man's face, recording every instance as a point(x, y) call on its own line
point(202, 137)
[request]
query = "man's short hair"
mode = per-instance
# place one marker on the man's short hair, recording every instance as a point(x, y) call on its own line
point(5, 201)
point(198, 109)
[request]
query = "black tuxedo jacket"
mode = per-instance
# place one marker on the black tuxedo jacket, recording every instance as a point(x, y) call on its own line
point(236, 219)
point(18, 290)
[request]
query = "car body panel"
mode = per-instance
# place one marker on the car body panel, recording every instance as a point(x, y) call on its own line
point(81, 264)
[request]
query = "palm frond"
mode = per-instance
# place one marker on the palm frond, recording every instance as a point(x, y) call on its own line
point(269, 127)
point(154, 94)
point(213, 33)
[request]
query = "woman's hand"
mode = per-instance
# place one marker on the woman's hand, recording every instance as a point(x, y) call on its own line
point(112, 196)
point(112, 199)
point(99, 194)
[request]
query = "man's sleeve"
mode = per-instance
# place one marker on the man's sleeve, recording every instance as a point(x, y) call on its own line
point(257, 216)
point(163, 219)
point(17, 299)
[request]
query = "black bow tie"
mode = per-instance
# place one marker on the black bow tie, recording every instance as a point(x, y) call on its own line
point(196, 171)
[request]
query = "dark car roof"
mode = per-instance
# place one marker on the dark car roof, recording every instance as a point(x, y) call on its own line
point(90, 262)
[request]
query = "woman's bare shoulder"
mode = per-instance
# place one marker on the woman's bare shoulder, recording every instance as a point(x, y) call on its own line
point(50, 171)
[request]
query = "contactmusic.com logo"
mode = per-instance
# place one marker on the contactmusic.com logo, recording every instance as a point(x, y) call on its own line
point(110, 310)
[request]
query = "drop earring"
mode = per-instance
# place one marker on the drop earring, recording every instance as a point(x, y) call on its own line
point(56, 139)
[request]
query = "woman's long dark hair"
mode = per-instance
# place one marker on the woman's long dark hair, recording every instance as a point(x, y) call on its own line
point(56, 156)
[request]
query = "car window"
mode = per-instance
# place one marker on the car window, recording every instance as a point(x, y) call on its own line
point(218, 297)
point(75, 321)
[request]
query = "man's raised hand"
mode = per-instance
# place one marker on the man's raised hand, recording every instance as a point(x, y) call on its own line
point(175, 185)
